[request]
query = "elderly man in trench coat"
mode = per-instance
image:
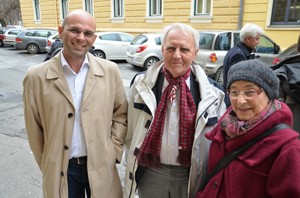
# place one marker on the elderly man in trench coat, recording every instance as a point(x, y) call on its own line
point(50, 113)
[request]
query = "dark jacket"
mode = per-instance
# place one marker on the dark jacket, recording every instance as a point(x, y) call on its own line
point(236, 54)
point(270, 168)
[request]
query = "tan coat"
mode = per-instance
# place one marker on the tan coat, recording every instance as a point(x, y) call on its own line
point(49, 118)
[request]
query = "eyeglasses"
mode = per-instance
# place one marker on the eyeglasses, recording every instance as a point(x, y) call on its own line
point(248, 94)
point(77, 31)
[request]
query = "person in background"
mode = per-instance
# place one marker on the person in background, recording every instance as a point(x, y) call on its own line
point(75, 111)
point(243, 50)
point(171, 106)
point(270, 168)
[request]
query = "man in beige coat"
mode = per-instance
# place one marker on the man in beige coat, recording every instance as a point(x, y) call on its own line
point(76, 116)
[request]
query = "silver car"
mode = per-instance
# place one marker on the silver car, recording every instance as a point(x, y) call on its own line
point(33, 40)
point(144, 50)
point(214, 45)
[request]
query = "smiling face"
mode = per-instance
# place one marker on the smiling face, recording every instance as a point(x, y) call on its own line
point(247, 107)
point(78, 35)
point(179, 52)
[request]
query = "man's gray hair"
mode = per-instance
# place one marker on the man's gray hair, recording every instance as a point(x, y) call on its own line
point(182, 27)
point(250, 29)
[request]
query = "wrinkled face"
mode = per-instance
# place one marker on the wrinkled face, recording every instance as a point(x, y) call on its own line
point(252, 42)
point(247, 99)
point(179, 52)
point(78, 36)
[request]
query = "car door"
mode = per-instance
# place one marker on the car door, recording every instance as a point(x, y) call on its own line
point(110, 45)
point(124, 44)
point(266, 50)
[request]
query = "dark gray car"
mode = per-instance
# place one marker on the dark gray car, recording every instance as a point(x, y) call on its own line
point(33, 40)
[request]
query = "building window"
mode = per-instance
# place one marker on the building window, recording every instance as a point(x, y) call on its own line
point(64, 8)
point(37, 11)
point(286, 12)
point(118, 8)
point(88, 5)
point(202, 7)
point(155, 8)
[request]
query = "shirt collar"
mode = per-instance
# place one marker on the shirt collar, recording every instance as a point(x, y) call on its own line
point(65, 63)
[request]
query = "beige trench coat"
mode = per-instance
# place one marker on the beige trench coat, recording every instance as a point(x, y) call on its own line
point(49, 118)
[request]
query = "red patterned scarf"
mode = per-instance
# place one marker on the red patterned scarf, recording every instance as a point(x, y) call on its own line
point(149, 153)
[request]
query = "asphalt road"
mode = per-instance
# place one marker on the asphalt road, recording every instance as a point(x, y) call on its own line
point(19, 174)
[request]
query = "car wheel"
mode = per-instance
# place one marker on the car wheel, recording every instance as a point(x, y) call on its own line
point(1, 43)
point(32, 48)
point(219, 76)
point(100, 54)
point(150, 61)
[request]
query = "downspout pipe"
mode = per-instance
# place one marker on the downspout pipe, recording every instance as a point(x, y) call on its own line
point(240, 21)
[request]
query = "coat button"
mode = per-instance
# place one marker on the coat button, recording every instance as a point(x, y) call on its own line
point(215, 185)
point(62, 173)
point(70, 115)
point(66, 147)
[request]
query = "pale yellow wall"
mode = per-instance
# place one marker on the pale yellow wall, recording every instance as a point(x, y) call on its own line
point(225, 16)
point(258, 12)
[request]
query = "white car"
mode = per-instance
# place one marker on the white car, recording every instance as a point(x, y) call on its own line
point(214, 45)
point(144, 50)
point(10, 36)
point(112, 45)
point(51, 39)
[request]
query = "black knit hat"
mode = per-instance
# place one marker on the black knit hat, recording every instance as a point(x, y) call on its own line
point(257, 72)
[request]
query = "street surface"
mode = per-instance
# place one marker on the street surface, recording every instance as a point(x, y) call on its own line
point(20, 176)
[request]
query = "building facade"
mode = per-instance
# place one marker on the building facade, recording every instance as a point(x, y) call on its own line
point(279, 18)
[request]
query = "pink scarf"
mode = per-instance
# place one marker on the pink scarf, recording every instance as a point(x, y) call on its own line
point(234, 127)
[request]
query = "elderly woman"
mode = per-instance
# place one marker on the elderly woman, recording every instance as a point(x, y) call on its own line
point(270, 167)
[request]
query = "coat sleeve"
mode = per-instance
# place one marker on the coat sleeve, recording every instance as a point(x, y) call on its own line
point(119, 120)
point(32, 121)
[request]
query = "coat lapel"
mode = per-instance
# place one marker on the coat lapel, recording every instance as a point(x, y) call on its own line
point(55, 73)
point(95, 70)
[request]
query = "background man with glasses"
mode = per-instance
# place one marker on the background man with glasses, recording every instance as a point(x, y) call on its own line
point(76, 116)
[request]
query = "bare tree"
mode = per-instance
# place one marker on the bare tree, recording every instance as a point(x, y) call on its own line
point(10, 12)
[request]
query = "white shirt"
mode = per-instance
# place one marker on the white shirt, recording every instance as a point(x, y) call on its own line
point(170, 139)
point(76, 84)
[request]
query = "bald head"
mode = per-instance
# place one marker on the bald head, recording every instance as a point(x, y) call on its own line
point(78, 14)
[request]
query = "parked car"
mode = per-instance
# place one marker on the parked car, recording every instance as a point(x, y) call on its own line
point(112, 45)
point(2, 32)
point(10, 36)
point(144, 50)
point(290, 51)
point(33, 40)
point(214, 45)
point(51, 39)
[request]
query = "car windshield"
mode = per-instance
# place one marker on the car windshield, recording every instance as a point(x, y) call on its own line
point(206, 40)
point(139, 40)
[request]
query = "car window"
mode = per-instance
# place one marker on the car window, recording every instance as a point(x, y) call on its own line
point(223, 41)
point(56, 37)
point(206, 40)
point(125, 37)
point(236, 38)
point(265, 46)
point(109, 37)
point(158, 40)
point(29, 33)
point(138, 40)
point(14, 32)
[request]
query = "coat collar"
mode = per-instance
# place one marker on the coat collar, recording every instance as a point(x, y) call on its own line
point(55, 72)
